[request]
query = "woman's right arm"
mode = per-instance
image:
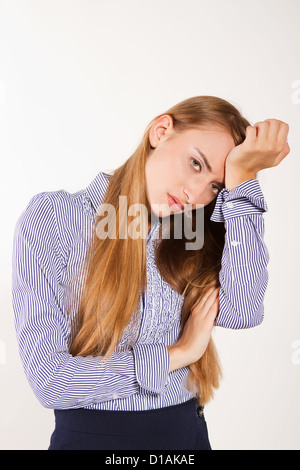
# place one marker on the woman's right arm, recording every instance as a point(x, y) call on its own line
point(197, 332)
point(58, 379)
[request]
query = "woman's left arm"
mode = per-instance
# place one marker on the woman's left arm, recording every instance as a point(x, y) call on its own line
point(243, 275)
point(240, 205)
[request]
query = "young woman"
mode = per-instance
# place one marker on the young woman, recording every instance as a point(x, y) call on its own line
point(114, 330)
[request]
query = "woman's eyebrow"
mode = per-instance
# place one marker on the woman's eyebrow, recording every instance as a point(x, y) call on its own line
point(208, 165)
point(204, 158)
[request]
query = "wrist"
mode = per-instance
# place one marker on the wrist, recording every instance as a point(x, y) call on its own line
point(235, 179)
point(177, 357)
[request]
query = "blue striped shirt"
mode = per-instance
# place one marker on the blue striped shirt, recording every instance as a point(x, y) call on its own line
point(50, 243)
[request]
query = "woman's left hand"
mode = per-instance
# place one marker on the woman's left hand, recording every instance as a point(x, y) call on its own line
point(265, 146)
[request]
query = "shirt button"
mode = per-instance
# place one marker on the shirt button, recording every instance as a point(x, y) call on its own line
point(115, 396)
point(230, 205)
point(235, 243)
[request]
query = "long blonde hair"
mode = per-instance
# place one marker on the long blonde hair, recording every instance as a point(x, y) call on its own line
point(115, 268)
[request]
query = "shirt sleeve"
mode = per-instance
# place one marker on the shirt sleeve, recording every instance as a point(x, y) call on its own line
point(58, 379)
point(243, 275)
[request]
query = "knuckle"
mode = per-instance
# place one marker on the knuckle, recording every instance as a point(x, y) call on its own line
point(286, 150)
point(278, 148)
point(284, 125)
point(196, 312)
point(270, 148)
point(263, 124)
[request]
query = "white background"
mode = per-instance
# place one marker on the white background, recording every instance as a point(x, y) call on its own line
point(79, 82)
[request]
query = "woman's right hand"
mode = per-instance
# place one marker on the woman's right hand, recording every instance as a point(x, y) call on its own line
point(197, 332)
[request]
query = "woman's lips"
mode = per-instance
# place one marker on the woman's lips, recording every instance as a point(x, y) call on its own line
point(175, 203)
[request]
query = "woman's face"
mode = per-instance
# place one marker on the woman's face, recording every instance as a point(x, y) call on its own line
point(174, 168)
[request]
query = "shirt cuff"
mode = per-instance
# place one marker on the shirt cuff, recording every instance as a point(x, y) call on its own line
point(152, 366)
point(245, 199)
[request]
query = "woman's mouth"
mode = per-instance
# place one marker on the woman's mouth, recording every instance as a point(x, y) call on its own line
point(175, 203)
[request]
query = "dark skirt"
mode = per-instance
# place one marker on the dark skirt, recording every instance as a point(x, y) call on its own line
point(172, 428)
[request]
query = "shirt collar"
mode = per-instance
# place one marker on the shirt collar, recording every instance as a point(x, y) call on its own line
point(97, 188)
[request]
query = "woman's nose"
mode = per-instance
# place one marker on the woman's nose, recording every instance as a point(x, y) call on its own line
point(186, 198)
point(190, 197)
point(194, 197)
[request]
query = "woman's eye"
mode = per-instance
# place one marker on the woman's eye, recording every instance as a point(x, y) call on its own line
point(197, 163)
point(215, 189)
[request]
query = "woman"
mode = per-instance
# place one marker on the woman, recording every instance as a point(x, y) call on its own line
point(114, 330)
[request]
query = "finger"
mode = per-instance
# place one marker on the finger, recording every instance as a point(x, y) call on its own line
point(283, 133)
point(208, 298)
point(251, 132)
point(262, 131)
point(278, 132)
point(210, 301)
point(211, 294)
point(274, 126)
point(205, 296)
point(214, 310)
point(285, 151)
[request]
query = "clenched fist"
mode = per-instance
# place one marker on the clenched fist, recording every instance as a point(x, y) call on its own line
point(265, 146)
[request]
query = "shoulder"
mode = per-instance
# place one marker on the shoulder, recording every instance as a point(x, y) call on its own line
point(62, 217)
point(51, 216)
